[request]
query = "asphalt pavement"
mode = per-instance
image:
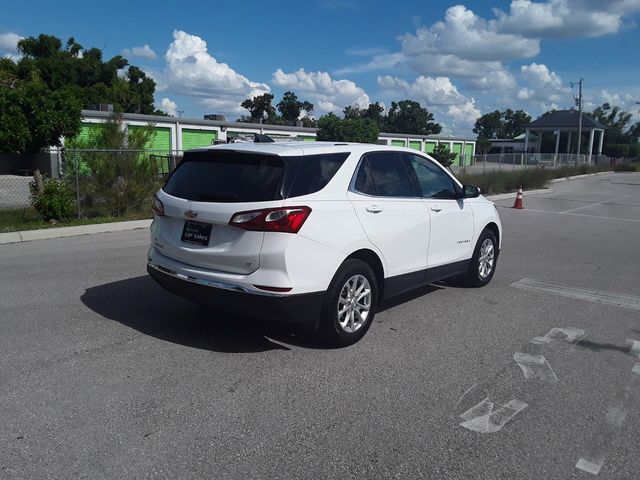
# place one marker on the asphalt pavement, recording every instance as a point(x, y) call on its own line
point(105, 375)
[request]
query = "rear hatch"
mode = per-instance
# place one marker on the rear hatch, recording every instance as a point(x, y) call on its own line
point(202, 195)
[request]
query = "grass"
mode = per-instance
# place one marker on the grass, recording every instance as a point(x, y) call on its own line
point(12, 220)
point(503, 182)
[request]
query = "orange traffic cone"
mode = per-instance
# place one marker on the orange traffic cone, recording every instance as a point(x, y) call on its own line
point(518, 203)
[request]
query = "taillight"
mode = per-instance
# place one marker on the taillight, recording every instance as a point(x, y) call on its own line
point(157, 206)
point(286, 219)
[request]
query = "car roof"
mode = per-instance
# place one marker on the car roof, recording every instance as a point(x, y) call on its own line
point(303, 148)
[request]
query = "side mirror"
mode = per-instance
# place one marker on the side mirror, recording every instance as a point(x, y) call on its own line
point(470, 191)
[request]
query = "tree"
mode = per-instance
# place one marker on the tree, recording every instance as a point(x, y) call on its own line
point(497, 124)
point(336, 129)
point(41, 94)
point(514, 122)
point(84, 72)
point(260, 109)
point(443, 155)
point(32, 116)
point(407, 116)
point(374, 112)
point(117, 176)
point(618, 123)
point(290, 107)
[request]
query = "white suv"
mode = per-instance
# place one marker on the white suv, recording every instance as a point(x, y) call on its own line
point(318, 233)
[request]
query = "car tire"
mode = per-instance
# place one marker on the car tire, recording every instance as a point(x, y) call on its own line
point(483, 263)
point(352, 295)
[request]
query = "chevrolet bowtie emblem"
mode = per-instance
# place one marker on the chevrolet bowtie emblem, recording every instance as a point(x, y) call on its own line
point(190, 214)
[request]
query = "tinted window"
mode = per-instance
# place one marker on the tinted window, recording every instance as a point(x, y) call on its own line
point(433, 182)
point(389, 174)
point(364, 180)
point(313, 172)
point(227, 176)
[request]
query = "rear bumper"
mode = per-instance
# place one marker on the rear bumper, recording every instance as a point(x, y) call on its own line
point(303, 309)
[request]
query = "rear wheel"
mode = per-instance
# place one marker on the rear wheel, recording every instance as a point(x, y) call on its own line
point(483, 262)
point(350, 304)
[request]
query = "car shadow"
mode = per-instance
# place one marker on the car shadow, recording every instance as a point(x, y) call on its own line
point(598, 346)
point(141, 304)
point(407, 297)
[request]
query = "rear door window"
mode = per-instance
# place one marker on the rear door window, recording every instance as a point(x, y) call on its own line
point(313, 172)
point(227, 176)
point(387, 173)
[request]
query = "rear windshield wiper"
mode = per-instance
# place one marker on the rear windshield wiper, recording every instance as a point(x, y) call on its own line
point(210, 195)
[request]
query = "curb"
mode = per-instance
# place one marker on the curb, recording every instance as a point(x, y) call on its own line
point(501, 196)
point(61, 232)
point(564, 179)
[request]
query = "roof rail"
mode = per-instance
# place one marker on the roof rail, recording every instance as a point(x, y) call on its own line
point(259, 138)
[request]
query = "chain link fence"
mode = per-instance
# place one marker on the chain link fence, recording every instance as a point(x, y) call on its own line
point(116, 183)
point(88, 184)
point(515, 161)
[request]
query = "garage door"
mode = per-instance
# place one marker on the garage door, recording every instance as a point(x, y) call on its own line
point(198, 138)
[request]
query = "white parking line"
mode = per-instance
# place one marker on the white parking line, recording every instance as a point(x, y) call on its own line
point(590, 466)
point(569, 334)
point(535, 367)
point(603, 217)
point(482, 418)
point(634, 349)
point(593, 204)
point(589, 295)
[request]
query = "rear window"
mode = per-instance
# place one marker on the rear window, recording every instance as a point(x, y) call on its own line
point(227, 176)
point(230, 176)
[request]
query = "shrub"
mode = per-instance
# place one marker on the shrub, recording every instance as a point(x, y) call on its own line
point(443, 155)
point(617, 150)
point(626, 167)
point(56, 202)
point(119, 182)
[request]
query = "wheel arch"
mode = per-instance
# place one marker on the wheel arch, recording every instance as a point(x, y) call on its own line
point(496, 231)
point(372, 258)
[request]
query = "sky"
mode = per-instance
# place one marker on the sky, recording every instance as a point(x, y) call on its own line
point(459, 60)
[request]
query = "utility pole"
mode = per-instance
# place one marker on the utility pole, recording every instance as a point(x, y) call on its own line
point(579, 100)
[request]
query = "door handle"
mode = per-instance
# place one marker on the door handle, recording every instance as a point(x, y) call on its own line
point(373, 209)
point(435, 209)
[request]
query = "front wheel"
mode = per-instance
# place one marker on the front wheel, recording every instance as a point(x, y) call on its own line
point(350, 304)
point(483, 263)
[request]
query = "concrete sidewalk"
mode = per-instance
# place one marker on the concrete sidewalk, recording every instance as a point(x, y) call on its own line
point(60, 232)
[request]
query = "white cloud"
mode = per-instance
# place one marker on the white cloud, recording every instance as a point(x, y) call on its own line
point(438, 95)
point(426, 90)
point(9, 43)
point(465, 36)
point(564, 18)
point(366, 51)
point(227, 107)
point(495, 81)
point(191, 70)
point(382, 61)
point(544, 87)
point(327, 94)
point(169, 107)
point(140, 52)
point(463, 116)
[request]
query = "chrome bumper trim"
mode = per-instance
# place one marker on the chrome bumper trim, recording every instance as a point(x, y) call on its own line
point(212, 283)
